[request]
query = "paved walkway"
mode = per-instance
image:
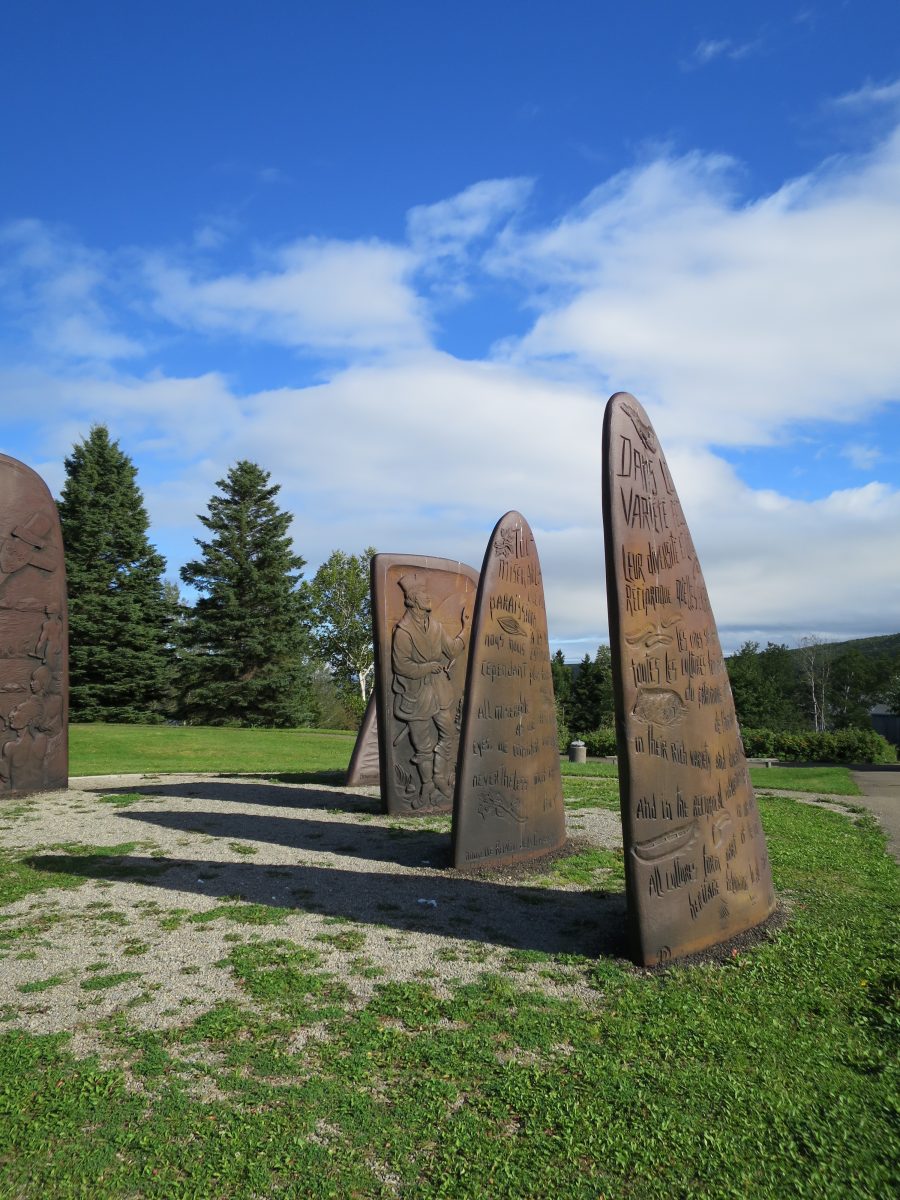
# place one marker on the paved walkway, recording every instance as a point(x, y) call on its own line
point(880, 787)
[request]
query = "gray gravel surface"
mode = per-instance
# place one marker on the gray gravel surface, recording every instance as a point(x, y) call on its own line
point(373, 894)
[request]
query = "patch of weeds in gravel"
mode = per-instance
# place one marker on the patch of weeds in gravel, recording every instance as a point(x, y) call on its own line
point(80, 862)
point(521, 960)
point(590, 869)
point(281, 974)
point(125, 800)
point(365, 968)
point(347, 940)
point(99, 983)
point(243, 848)
point(174, 918)
point(134, 947)
point(245, 914)
point(41, 985)
point(111, 916)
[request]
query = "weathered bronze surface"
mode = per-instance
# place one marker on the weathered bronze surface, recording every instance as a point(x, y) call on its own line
point(363, 769)
point(33, 636)
point(697, 871)
point(421, 614)
point(508, 805)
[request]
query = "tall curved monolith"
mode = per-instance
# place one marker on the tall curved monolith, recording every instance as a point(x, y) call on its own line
point(508, 806)
point(421, 618)
point(34, 688)
point(697, 870)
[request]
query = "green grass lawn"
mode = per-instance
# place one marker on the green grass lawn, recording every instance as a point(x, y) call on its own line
point(837, 781)
point(149, 749)
point(774, 1075)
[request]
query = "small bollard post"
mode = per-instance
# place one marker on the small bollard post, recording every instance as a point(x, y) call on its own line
point(577, 752)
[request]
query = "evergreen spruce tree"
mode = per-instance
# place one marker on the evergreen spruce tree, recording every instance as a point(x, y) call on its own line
point(562, 681)
point(591, 704)
point(119, 662)
point(245, 641)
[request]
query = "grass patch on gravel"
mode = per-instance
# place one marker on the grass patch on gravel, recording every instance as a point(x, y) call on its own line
point(99, 983)
point(243, 914)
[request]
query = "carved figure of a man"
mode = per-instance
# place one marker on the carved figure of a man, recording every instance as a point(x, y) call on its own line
point(424, 698)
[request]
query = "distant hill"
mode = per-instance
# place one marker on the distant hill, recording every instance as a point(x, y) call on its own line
point(885, 646)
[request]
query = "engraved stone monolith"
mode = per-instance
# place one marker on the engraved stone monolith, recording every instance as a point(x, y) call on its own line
point(508, 805)
point(421, 613)
point(697, 870)
point(363, 768)
point(33, 636)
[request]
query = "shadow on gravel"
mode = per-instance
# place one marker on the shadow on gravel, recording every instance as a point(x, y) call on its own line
point(406, 847)
point(515, 916)
point(277, 795)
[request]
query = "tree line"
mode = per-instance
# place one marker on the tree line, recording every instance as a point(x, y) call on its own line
point(258, 646)
point(262, 646)
point(816, 686)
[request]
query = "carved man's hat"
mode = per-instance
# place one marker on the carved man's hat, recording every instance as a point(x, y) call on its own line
point(411, 585)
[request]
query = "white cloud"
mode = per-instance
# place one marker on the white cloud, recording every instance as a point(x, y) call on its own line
point(870, 95)
point(328, 296)
point(863, 458)
point(447, 227)
point(730, 319)
point(708, 50)
point(58, 293)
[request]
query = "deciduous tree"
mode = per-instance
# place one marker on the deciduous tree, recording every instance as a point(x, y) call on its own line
point(342, 620)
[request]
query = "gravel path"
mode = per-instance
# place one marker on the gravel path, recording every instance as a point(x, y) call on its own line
point(374, 895)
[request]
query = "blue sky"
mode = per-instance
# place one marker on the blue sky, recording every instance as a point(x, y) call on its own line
point(400, 254)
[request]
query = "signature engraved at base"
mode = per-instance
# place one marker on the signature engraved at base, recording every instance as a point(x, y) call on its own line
point(655, 635)
point(659, 706)
point(499, 805)
point(674, 842)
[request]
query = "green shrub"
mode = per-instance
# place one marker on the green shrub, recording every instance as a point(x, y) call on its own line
point(840, 745)
point(600, 741)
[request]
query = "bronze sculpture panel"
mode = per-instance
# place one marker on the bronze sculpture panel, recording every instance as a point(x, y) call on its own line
point(421, 612)
point(697, 870)
point(508, 805)
point(33, 636)
point(363, 768)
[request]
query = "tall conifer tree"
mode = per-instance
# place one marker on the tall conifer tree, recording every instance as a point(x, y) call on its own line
point(247, 635)
point(119, 663)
